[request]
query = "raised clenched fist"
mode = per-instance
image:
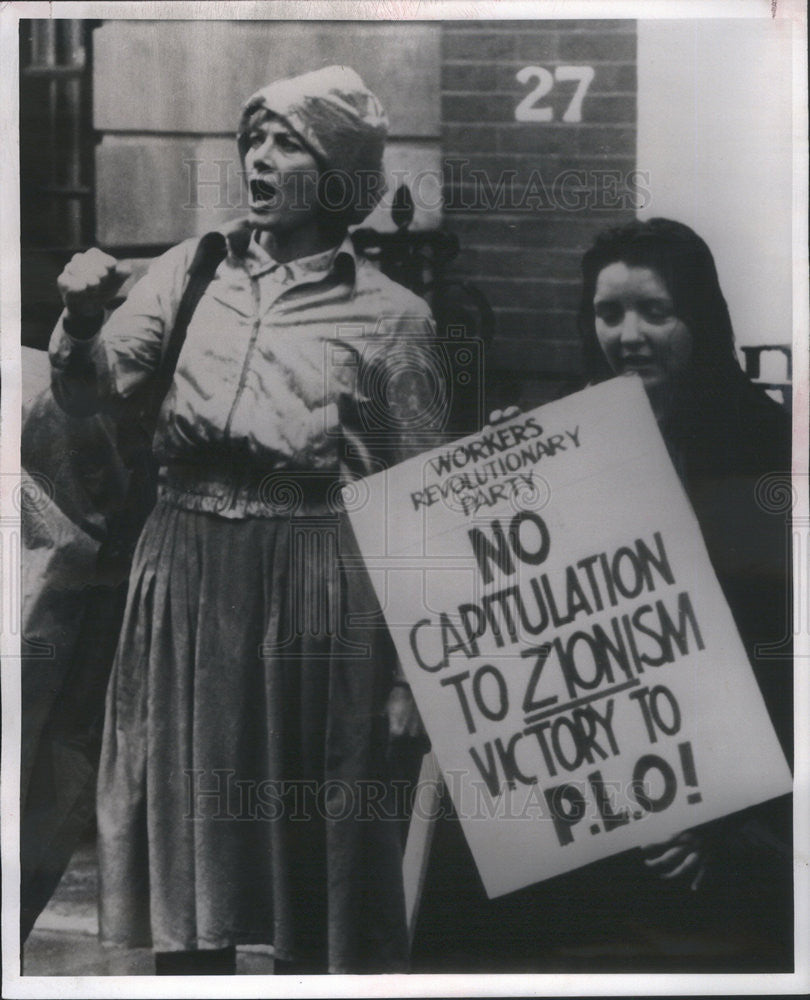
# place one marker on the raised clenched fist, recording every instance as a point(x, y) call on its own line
point(88, 283)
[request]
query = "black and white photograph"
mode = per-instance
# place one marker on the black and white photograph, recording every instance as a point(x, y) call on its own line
point(404, 498)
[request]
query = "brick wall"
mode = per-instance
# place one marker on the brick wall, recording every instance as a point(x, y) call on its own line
point(526, 198)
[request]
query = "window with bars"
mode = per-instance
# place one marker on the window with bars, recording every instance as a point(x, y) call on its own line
point(56, 147)
point(56, 161)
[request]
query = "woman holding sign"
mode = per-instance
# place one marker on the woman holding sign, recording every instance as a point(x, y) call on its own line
point(652, 306)
point(253, 692)
point(717, 898)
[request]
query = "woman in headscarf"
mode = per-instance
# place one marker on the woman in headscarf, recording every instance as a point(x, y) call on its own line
point(652, 305)
point(242, 795)
point(717, 898)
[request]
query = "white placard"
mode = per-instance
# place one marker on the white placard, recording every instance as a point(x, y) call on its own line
point(569, 647)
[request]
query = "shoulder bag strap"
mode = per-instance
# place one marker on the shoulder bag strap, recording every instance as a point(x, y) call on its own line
point(210, 253)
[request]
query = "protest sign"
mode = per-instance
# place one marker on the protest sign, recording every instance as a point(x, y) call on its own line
point(569, 647)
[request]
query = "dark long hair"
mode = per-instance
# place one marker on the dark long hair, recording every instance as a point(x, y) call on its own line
point(686, 266)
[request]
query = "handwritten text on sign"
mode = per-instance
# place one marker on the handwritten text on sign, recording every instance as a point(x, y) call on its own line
point(567, 642)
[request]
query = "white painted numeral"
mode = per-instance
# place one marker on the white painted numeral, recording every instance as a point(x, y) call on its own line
point(584, 76)
point(528, 111)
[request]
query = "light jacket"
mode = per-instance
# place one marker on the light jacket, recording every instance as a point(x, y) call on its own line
point(302, 367)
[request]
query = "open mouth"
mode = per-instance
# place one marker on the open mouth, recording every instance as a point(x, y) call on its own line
point(263, 193)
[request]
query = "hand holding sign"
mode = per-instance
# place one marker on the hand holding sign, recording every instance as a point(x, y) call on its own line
point(501, 416)
point(683, 857)
point(403, 715)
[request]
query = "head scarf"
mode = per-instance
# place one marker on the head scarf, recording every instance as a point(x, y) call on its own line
point(344, 126)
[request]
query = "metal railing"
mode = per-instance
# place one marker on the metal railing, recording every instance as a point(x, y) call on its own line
point(753, 369)
point(465, 321)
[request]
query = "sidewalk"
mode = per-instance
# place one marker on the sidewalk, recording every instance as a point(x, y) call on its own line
point(64, 941)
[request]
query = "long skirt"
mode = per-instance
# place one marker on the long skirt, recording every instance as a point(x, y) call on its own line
point(243, 794)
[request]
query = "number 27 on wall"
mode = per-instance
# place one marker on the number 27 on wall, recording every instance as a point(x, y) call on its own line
point(528, 111)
